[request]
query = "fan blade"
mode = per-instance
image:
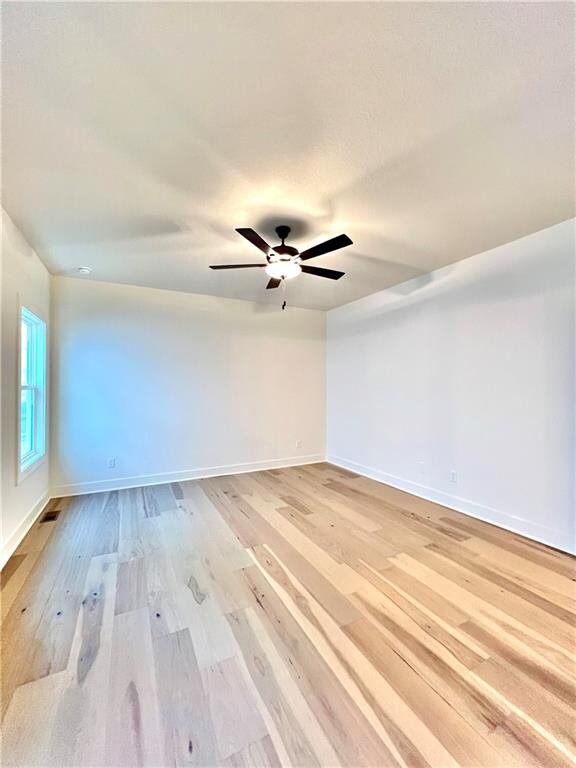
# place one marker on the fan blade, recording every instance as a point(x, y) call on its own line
point(329, 245)
point(235, 266)
point(332, 274)
point(254, 238)
point(274, 282)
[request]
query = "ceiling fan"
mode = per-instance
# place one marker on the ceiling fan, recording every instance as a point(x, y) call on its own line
point(283, 262)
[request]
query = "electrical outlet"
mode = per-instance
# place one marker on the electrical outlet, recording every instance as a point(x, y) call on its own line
point(453, 476)
point(421, 469)
point(111, 462)
point(298, 443)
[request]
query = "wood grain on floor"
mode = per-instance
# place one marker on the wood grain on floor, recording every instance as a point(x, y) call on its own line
point(299, 617)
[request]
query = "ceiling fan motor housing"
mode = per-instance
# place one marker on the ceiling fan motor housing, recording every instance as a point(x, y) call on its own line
point(283, 231)
point(287, 251)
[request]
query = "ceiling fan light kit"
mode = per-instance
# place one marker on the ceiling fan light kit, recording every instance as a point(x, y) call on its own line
point(283, 270)
point(284, 262)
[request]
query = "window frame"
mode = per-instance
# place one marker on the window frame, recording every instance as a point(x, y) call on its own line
point(37, 384)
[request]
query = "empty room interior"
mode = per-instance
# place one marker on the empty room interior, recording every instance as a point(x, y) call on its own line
point(288, 384)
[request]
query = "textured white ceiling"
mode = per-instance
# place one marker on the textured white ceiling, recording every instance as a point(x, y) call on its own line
point(137, 136)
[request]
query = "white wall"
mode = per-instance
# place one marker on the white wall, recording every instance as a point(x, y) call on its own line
point(24, 278)
point(470, 369)
point(176, 384)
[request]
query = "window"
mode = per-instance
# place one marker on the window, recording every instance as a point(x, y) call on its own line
point(32, 423)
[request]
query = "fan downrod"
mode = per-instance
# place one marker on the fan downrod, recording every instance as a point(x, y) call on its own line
point(283, 231)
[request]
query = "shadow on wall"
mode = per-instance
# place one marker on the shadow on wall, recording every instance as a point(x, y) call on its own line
point(505, 274)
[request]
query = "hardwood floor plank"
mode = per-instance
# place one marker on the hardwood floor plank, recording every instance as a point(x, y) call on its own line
point(517, 547)
point(303, 617)
point(465, 744)
point(251, 633)
point(132, 541)
point(425, 596)
point(132, 589)
point(344, 578)
point(307, 570)
point(133, 735)
point(324, 504)
point(14, 584)
point(486, 613)
point(433, 661)
point(189, 737)
point(46, 608)
point(523, 565)
point(158, 499)
point(10, 569)
point(434, 529)
point(370, 690)
point(537, 701)
point(491, 573)
point(236, 719)
point(555, 682)
point(327, 696)
point(264, 676)
point(24, 741)
point(510, 603)
point(455, 641)
point(163, 598)
point(82, 707)
point(258, 754)
point(195, 601)
point(36, 538)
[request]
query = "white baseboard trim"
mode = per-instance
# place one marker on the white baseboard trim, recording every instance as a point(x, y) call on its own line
point(120, 483)
point(12, 542)
point(554, 537)
point(551, 536)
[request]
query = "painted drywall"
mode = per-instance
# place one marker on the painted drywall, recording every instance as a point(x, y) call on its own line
point(175, 385)
point(468, 370)
point(24, 279)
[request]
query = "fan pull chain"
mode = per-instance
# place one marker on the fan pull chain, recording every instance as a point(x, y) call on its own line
point(283, 294)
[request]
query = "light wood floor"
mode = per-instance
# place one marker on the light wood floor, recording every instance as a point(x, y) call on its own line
point(303, 617)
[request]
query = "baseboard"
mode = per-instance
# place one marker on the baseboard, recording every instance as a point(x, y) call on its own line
point(13, 541)
point(120, 483)
point(554, 537)
point(551, 536)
